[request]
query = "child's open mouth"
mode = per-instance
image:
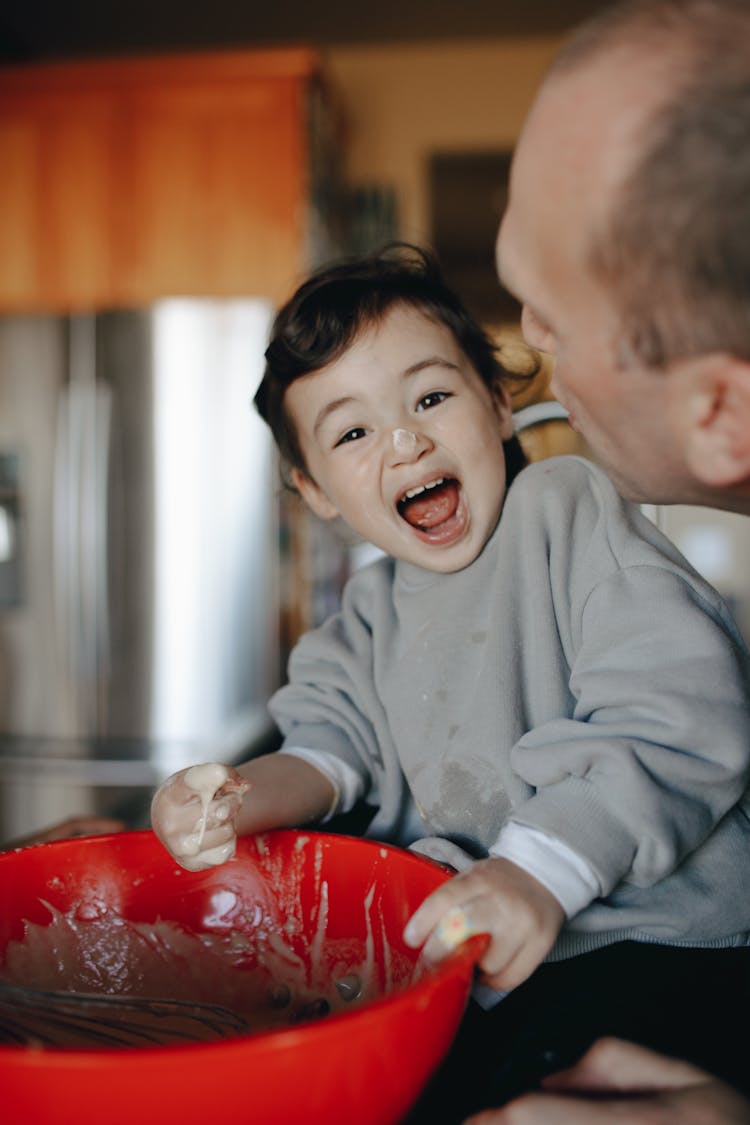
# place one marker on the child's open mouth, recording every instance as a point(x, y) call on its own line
point(430, 505)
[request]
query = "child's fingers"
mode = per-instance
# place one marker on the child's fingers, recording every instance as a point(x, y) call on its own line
point(196, 841)
point(495, 898)
point(472, 891)
point(456, 925)
point(516, 964)
point(217, 846)
point(506, 961)
point(184, 826)
point(427, 916)
point(197, 836)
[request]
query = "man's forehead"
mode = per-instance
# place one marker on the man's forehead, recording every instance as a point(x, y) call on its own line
point(592, 121)
point(584, 135)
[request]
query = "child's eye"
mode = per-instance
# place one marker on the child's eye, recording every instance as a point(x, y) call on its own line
point(354, 434)
point(434, 398)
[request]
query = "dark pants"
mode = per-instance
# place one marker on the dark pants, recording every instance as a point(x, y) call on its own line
point(682, 1002)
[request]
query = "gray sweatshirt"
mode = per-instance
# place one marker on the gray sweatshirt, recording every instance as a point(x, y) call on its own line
point(579, 678)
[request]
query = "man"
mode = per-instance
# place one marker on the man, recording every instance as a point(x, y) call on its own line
point(627, 240)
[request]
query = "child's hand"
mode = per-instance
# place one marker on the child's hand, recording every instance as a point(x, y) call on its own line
point(494, 897)
point(193, 814)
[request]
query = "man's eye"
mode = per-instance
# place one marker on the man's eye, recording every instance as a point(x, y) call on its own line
point(354, 434)
point(434, 398)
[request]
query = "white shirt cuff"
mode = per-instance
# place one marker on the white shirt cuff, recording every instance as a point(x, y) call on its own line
point(347, 784)
point(564, 873)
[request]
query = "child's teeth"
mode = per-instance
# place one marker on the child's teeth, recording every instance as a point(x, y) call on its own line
point(412, 492)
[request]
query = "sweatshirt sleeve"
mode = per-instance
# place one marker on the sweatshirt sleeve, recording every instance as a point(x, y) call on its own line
point(657, 747)
point(323, 706)
point(330, 703)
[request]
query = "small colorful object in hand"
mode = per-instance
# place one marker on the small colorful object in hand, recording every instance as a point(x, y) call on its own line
point(454, 927)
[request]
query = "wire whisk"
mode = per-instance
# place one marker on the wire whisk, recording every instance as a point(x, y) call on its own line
point(56, 1018)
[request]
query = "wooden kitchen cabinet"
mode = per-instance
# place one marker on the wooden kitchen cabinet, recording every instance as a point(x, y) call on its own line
point(131, 179)
point(57, 199)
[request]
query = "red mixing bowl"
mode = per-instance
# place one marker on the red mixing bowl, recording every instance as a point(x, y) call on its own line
point(362, 1066)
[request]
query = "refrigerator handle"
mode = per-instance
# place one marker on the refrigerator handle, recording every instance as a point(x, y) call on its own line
point(80, 527)
point(69, 446)
point(100, 535)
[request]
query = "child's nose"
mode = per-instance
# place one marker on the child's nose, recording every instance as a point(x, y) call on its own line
point(407, 445)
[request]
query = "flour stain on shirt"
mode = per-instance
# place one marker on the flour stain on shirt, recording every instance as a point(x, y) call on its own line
point(463, 801)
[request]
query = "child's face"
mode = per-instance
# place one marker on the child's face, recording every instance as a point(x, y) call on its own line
point(403, 440)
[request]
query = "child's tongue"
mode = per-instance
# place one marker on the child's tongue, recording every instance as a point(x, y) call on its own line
point(433, 507)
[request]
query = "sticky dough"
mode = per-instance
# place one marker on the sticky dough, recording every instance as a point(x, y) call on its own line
point(205, 780)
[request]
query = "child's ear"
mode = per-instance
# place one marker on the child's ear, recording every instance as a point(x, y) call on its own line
point(718, 421)
point(313, 496)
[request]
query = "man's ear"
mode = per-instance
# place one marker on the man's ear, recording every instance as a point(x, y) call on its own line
point(313, 496)
point(718, 421)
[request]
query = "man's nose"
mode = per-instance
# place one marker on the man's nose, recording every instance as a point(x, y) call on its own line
point(407, 445)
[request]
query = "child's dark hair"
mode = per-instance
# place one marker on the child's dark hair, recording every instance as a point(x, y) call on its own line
point(327, 313)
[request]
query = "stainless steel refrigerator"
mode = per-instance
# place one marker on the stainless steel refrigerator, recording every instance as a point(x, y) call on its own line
point(138, 552)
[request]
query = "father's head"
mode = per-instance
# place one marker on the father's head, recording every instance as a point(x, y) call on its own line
point(627, 238)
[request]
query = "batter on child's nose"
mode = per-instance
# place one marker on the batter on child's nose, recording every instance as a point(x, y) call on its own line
point(404, 442)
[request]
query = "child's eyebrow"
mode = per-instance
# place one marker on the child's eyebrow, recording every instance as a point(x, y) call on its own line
point(431, 361)
point(329, 408)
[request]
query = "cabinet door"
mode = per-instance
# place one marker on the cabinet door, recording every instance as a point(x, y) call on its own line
point(126, 180)
point(59, 195)
point(217, 188)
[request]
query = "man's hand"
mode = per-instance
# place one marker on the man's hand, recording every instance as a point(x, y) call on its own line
point(618, 1083)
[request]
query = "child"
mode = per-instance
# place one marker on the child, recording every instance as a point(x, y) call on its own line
point(534, 680)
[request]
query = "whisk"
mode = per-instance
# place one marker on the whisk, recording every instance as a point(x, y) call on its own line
point(55, 1018)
